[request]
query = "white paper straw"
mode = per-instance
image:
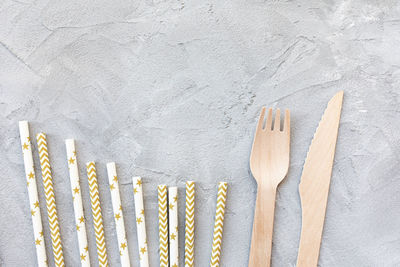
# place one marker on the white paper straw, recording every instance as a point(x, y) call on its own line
point(140, 221)
point(118, 214)
point(32, 193)
point(173, 226)
point(77, 202)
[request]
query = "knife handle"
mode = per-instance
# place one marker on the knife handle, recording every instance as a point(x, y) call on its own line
point(261, 241)
point(313, 206)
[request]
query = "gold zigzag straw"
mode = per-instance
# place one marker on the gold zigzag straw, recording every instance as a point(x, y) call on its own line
point(163, 224)
point(32, 193)
point(96, 213)
point(219, 224)
point(50, 199)
point(189, 225)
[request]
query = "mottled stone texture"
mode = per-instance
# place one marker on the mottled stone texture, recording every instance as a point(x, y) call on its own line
point(171, 91)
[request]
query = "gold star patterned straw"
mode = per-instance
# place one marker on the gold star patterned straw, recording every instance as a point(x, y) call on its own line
point(219, 224)
point(50, 200)
point(173, 226)
point(96, 213)
point(189, 225)
point(140, 221)
point(163, 224)
point(32, 193)
point(118, 215)
point(77, 202)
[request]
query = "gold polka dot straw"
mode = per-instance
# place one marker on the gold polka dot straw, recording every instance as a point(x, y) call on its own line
point(77, 202)
point(140, 221)
point(32, 193)
point(96, 213)
point(50, 200)
point(118, 214)
point(219, 224)
point(173, 226)
point(189, 225)
point(163, 224)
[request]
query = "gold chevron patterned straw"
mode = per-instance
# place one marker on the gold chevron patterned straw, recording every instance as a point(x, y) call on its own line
point(219, 224)
point(77, 202)
point(118, 214)
point(173, 226)
point(189, 224)
point(140, 221)
point(96, 213)
point(50, 200)
point(32, 193)
point(163, 224)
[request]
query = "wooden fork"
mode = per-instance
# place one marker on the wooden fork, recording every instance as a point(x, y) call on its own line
point(269, 163)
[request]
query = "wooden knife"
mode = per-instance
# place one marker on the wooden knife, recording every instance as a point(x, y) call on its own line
point(315, 180)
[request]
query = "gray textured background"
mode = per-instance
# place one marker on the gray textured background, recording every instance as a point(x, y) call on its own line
point(171, 91)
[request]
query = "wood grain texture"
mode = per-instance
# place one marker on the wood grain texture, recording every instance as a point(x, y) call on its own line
point(269, 163)
point(315, 180)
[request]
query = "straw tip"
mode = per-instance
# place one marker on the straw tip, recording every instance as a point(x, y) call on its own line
point(110, 164)
point(69, 140)
point(172, 189)
point(23, 124)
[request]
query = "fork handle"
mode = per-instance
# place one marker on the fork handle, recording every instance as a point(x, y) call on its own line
point(261, 241)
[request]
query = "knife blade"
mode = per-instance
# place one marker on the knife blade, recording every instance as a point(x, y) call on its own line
point(315, 180)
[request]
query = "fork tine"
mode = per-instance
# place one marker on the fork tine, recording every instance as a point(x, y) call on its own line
point(277, 124)
point(261, 119)
point(268, 123)
point(286, 125)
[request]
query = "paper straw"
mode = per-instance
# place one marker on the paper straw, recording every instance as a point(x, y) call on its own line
point(96, 213)
point(118, 214)
point(77, 202)
point(219, 224)
point(189, 225)
point(32, 193)
point(50, 200)
point(173, 226)
point(163, 224)
point(140, 221)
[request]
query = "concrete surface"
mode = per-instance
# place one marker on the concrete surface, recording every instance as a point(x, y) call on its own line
point(171, 91)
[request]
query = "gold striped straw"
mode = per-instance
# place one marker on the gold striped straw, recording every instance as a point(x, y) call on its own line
point(189, 224)
point(219, 224)
point(96, 213)
point(163, 224)
point(33, 194)
point(50, 200)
